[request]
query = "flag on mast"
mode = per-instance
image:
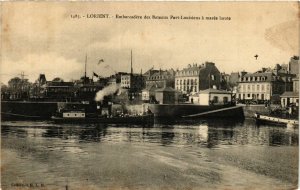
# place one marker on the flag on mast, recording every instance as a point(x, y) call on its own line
point(95, 74)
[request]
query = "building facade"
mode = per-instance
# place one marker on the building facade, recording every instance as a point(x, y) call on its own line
point(195, 77)
point(161, 78)
point(148, 94)
point(213, 97)
point(263, 85)
point(294, 65)
point(291, 97)
point(296, 84)
point(166, 95)
point(133, 82)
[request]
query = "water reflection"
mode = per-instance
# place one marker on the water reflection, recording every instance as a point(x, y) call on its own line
point(204, 133)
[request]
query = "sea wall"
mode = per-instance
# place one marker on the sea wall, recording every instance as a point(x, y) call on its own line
point(23, 110)
point(235, 112)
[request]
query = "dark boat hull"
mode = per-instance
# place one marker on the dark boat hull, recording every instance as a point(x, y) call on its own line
point(147, 119)
point(263, 119)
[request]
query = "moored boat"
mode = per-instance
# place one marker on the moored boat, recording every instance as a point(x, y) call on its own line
point(265, 119)
point(79, 116)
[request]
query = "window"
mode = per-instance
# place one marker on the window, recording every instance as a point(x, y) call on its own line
point(248, 87)
point(262, 87)
point(257, 87)
point(225, 100)
point(268, 87)
point(215, 99)
point(248, 95)
point(213, 77)
point(253, 87)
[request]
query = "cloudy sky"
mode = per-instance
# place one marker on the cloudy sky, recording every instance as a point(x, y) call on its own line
point(43, 38)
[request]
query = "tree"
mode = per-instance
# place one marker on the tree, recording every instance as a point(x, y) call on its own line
point(15, 84)
point(57, 79)
point(19, 87)
point(4, 88)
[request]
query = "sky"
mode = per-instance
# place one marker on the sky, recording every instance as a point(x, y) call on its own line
point(41, 37)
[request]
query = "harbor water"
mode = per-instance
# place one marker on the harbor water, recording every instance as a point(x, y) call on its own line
point(195, 154)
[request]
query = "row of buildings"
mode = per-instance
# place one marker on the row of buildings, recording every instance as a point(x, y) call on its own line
point(185, 84)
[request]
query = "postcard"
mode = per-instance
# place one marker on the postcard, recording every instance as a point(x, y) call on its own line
point(149, 95)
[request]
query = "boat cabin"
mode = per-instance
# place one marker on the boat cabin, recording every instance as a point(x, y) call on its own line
point(73, 114)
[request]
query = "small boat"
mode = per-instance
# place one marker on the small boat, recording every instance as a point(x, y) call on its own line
point(79, 116)
point(265, 119)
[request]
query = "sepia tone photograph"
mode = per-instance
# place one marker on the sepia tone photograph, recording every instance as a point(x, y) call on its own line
point(149, 95)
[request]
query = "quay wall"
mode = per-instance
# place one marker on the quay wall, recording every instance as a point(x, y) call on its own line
point(23, 109)
point(234, 112)
point(44, 110)
point(177, 110)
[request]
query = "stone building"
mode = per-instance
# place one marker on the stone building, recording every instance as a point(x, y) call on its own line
point(263, 85)
point(148, 94)
point(134, 82)
point(291, 97)
point(197, 77)
point(161, 78)
point(115, 78)
point(214, 97)
point(166, 95)
point(294, 65)
point(296, 84)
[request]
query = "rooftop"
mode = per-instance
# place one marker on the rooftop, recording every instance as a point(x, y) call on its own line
point(165, 89)
point(215, 91)
point(290, 94)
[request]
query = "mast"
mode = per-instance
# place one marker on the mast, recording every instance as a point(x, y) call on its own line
point(131, 69)
point(85, 66)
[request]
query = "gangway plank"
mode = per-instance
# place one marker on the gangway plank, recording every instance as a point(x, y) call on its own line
point(210, 112)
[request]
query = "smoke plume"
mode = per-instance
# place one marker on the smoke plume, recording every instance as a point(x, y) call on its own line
point(111, 89)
